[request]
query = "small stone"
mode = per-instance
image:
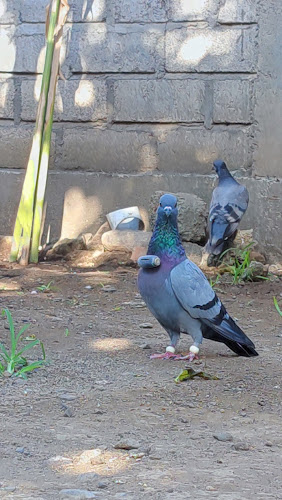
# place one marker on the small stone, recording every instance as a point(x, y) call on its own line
point(108, 288)
point(145, 346)
point(269, 443)
point(127, 445)
point(102, 485)
point(136, 456)
point(223, 436)
point(68, 397)
point(20, 450)
point(7, 374)
point(145, 325)
point(88, 287)
point(210, 488)
point(241, 446)
point(59, 458)
point(34, 292)
point(68, 412)
point(68, 494)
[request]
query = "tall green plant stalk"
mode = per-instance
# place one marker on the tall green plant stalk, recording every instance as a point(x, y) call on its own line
point(24, 225)
point(46, 140)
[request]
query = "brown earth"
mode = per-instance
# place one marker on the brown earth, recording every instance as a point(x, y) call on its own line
point(59, 428)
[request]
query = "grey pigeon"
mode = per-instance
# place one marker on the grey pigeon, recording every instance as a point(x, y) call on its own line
point(179, 295)
point(228, 205)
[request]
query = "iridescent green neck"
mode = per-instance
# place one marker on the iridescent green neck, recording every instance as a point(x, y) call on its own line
point(165, 241)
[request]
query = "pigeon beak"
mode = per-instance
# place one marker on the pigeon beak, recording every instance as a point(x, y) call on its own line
point(167, 211)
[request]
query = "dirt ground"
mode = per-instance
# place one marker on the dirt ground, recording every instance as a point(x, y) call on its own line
point(100, 389)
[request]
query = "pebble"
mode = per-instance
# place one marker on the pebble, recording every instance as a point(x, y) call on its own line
point(59, 458)
point(269, 443)
point(102, 485)
point(145, 346)
point(108, 288)
point(127, 445)
point(68, 412)
point(68, 397)
point(241, 446)
point(68, 494)
point(145, 325)
point(223, 436)
point(88, 287)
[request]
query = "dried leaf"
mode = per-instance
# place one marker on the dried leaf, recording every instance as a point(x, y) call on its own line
point(190, 373)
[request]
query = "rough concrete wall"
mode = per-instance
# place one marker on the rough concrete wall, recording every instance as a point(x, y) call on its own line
point(154, 89)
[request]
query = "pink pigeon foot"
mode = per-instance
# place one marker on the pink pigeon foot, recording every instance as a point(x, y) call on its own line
point(175, 357)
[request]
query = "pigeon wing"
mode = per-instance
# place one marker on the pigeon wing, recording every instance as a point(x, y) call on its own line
point(197, 297)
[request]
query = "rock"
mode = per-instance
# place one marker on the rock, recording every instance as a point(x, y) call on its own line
point(275, 269)
point(125, 240)
point(20, 450)
point(59, 459)
point(257, 256)
point(254, 271)
point(68, 494)
point(241, 446)
point(223, 436)
point(192, 218)
point(93, 242)
point(108, 289)
point(138, 252)
point(68, 397)
point(193, 252)
point(102, 485)
point(145, 325)
point(145, 346)
point(64, 247)
point(129, 444)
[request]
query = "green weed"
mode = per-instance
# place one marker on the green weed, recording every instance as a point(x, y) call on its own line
point(12, 361)
point(240, 267)
point(46, 288)
point(277, 306)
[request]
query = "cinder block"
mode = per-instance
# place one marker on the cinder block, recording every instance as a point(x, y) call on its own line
point(99, 49)
point(108, 150)
point(23, 46)
point(238, 11)
point(130, 11)
point(232, 101)
point(158, 100)
point(9, 14)
point(76, 100)
point(211, 50)
point(192, 10)
point(25, 11)
point(15, 144)
point(186, 150)
point(7, 93)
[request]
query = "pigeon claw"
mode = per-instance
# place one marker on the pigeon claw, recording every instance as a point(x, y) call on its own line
point(175, 357)
point(165, 355)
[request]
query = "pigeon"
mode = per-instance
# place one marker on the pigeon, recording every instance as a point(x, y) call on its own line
point(179, 295)
point(228, 205)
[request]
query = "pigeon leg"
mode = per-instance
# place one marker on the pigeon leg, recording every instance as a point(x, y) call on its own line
point(170, 350)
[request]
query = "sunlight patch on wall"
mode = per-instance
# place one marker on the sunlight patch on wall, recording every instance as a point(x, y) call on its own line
point(7, 49)
point(80, 211)
point(3, 8)
point(194, 49)
point(85, 94)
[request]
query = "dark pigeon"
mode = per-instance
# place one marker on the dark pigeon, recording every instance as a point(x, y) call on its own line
point(228, 205)
point(179, 295)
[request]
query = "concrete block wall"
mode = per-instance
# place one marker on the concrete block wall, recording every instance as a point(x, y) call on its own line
point(156, 88)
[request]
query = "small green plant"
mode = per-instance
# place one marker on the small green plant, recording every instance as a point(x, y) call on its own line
point(46, 288)
point(277, 306)
point(240, 268)
point(213, 282)
point(67, 332)
point(12, 361)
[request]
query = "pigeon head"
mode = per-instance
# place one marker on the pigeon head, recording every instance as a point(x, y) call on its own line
point(167, 207)
point(219, 167)
point(165, 241)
